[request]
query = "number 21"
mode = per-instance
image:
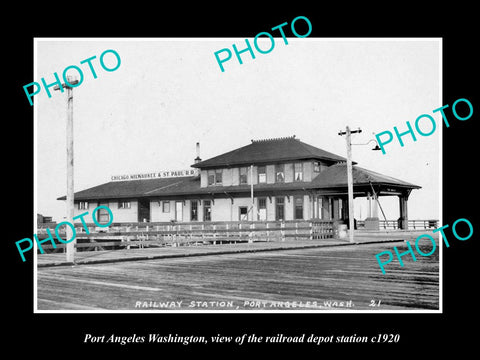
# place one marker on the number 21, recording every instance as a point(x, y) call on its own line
point(373, 303)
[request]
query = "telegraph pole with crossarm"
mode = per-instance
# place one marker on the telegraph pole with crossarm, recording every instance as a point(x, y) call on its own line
point(348, 132)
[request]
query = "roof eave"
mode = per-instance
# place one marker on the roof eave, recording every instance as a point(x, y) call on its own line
point(407, 186)
point(201, 165)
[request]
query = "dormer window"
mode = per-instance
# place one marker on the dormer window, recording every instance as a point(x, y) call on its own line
point(215, 177)
point(218, 177)
point(211, 177)
point(243, 175)
point(262, 174)
point(298, 172)
point(279, 173)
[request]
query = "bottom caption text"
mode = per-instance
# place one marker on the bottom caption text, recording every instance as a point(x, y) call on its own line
point(239, 340)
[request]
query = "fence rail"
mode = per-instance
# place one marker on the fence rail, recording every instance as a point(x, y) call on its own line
point(128, 235)
point(412, 224)
point(394, 224)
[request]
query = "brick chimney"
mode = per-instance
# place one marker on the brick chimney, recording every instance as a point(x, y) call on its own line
point(197, 159)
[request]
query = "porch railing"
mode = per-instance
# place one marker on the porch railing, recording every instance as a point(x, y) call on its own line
point(127, 235)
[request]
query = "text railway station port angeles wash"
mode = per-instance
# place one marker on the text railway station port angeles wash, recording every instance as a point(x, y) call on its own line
point(277, 179)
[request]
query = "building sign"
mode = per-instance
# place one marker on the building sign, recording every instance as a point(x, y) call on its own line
point(156, 175)
point(390, 190)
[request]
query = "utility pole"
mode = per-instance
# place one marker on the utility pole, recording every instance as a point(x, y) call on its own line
point(251, 192)
point(348, 132)
point(70, 247)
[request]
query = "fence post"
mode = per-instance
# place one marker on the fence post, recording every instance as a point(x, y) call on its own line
point(252, 226)
point(177, 235)
point(191, 235)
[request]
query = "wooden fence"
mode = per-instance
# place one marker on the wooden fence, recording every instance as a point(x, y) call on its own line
point(129, 235)
point(412, 224)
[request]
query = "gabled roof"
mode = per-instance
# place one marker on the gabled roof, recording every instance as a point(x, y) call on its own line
point(336, 176)
point(136, 188)
point(269, 151)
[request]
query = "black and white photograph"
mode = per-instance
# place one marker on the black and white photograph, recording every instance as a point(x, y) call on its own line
point(233, 189)
point(262, 187)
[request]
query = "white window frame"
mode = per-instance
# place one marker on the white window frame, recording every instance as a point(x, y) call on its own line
point(163, 206)
point(217, 171)
point(83, 205)
point(192, 208)
point(263, 174)
point(295, 198)
point(240, 176)
point(277, 166)
point(295, 172)
point(124, 204)
point(262, 199)
point(210, 173)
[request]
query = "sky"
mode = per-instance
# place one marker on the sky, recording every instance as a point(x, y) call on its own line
point(169, 93)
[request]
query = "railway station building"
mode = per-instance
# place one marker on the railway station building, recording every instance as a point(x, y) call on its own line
point(272, 179)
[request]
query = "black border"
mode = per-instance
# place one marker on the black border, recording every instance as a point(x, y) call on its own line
point(419, 332)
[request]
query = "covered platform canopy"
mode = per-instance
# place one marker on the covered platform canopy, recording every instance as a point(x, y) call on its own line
point(366, 183)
